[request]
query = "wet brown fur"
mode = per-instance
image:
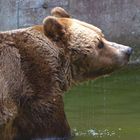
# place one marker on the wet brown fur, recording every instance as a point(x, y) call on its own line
point(38, 64)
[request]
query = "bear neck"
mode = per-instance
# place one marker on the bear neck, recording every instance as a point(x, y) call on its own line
point(55, 55)
point(41, 110)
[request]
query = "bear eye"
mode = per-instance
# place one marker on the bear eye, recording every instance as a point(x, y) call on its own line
point(101, 45)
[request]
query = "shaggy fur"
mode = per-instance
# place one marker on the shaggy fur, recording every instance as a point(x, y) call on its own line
point(38, 64)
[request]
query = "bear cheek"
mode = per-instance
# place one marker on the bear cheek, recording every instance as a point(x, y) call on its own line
point(104, 64)
point(109, 57)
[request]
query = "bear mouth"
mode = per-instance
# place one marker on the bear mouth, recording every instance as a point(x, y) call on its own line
point(100, 72)
point(119, 64)
point(123, 62)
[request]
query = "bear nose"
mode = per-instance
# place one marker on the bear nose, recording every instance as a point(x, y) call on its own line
point(129, 51)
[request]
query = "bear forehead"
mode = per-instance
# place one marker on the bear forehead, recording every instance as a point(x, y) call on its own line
point(82, 34)
point(78, 26)
point(83, 31)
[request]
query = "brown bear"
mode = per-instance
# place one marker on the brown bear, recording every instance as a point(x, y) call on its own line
point(38, 64)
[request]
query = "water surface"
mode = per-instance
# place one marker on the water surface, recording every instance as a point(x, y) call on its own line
point(107, 108)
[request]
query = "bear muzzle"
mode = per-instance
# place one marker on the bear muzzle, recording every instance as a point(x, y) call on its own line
point(122, 48)
point(129, 51)
point(124, 52)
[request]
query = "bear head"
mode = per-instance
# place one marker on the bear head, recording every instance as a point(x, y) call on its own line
point(90, 54)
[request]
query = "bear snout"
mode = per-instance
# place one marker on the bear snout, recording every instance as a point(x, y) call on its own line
point(129, 51)
point(126, 50)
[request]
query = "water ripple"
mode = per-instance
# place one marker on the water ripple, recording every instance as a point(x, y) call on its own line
point(95, 133)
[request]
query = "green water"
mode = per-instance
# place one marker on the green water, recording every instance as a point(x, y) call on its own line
point(106, 109)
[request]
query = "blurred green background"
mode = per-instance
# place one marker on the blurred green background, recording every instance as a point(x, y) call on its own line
point(107, 108)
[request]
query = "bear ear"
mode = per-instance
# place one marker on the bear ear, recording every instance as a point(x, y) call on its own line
point(59, 13)
point(53, 28)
